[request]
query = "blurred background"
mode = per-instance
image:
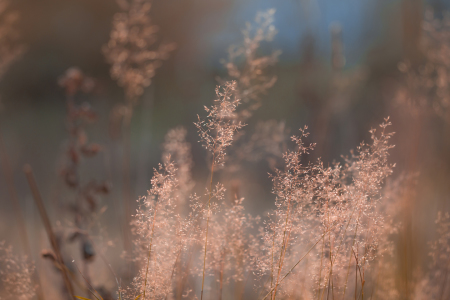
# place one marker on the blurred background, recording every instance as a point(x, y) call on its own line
point(338, 73)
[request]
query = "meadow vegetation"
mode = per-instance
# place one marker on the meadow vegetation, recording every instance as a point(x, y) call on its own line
point(331, 232)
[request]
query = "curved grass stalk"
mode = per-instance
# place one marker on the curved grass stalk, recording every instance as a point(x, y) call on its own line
point(283, 248)
point(350, 259)
point(271, 265)
point(150, 250)
point(320, 269)
point(48, 227)
point(296, 264)
point(207, 223)
point(173, 270)
point(340, 244)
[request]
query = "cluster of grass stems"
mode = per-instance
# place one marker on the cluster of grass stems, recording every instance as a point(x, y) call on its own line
point(329, 235)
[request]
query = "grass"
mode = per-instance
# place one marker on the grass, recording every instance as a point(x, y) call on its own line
point(331, 229)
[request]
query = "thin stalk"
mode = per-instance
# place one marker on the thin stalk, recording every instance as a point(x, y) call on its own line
point(340, 244)
point(184, 279)
point(48, 227)
point(102, 256)
point(296, 264)
point(241, 295)
point(9, 177)
point(356, 278)
point(350, 259)
point(150, 248)
point(283, 248)
point(320, 296)
point(173, 271)
point(222, 266)
point(73, 128)
point(89, 287)
point(284, 255)
point(360, 275)
point(73, 277)
point(330, 275)
point(271, 265)
point(207, 222)
point(320, 269)
point(328, 289)
point(444, 282)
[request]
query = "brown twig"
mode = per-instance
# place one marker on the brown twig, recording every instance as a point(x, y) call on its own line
point(9, 177)
point(298, 262)
point(48, 227)
point(207, 222)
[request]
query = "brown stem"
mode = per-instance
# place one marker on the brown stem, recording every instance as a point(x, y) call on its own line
point(48, 227)
point(241, 295)
point(271, 265)
point(350, 258)
point(283, 249)
point(222, 266)
point(296, 264)
point(444, 282)
point(150, 247)
point(207, 222)
point(184, 279)
point(356, 278)
point(9, 177)
point(173, 271)
point(320, 270)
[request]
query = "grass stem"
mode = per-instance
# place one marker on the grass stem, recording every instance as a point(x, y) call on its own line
point(48, 227)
